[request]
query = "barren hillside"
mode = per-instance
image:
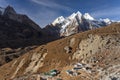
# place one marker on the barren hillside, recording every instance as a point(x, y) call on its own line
point(95, 52)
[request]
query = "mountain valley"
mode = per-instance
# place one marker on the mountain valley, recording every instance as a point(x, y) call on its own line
point(77, 47)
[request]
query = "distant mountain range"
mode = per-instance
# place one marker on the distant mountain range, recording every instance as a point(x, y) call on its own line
point(19, 28)
point(77, 22)
point(88, 55)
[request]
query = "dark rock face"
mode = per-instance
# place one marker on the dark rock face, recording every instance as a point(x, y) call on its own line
point(52, 31)
point(10, 13)
point(9, 10)
point(19, 34)
point(14, 33)
point(18, 30)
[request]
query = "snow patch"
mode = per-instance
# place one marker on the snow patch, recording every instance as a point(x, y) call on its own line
point(71, 24)
point(58, 20)
point(1, 10)
point(72, 16)
point(107, 20)
point(87, 16)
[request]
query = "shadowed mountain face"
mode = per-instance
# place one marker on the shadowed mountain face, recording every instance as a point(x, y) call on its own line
point(18, 34)
point(13, 33)
point(17, 30)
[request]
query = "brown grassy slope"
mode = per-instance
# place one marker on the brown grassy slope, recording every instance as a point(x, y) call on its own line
point(56, 55)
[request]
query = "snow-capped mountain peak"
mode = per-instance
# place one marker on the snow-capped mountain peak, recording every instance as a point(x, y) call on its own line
point(68, 19)
point(72, 16)
point(7, 11)
point(58, 20)
point(107, 20)
point(79, 14)
point(77, 22)
point(88, 17)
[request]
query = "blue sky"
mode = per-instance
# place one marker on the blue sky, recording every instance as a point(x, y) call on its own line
point(44, 12)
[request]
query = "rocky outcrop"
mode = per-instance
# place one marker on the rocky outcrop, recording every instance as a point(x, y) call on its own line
point(9, 54)
point(96, 44)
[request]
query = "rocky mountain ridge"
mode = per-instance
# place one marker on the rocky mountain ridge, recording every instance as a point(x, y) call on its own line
point(76, 22)
point(18, 34)
point(89, 55)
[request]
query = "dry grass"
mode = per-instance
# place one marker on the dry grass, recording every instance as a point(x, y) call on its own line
point(57, 57)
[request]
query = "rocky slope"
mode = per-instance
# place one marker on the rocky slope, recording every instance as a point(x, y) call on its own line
point(77, 22)
point(97, 51)
point(18, 32)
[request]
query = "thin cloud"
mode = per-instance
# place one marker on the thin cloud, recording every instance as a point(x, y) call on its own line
point(3, 3)
point(107, 12)
point(42, 17)
point(51, 4)
point(46, 15)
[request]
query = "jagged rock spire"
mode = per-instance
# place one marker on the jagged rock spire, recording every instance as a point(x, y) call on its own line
point(9, 10)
